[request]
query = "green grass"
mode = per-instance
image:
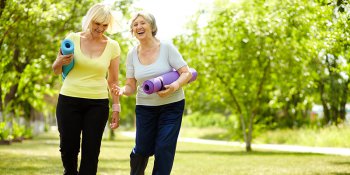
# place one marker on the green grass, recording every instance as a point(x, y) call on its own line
point(41, 156)
point(213, 133)
point(324, 137)
point(331, 136)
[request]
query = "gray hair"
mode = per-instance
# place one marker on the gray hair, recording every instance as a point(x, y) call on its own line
point(148, 17)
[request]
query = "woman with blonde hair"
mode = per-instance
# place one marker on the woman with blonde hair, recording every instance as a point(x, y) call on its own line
point(83, 105)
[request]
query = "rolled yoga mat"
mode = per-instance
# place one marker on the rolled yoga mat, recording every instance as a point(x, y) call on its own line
point(67, 47)
point(156, 84)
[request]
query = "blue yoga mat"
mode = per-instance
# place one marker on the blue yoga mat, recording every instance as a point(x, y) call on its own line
point(67, 47)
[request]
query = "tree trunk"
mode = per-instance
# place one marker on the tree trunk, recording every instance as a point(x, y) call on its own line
point(248, 146)
point(244, 132)
point(343, 100)
point(326, 112)
point(256, 107)
point(2, 6)
point(11, 94)
point(1, 102)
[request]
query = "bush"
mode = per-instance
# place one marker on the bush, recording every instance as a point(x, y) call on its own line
point(17, 131)
point(200, 120)
point(4, 131)
point(28, 133)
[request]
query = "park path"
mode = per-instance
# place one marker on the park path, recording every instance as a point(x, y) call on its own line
point(276, 147)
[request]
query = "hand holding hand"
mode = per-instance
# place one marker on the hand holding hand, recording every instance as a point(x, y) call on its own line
point(116, 90)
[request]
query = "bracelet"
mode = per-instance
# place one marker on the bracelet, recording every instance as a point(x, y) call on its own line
point(116, 108)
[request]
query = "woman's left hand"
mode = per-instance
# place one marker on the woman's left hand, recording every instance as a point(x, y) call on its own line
point(169, 89)
point(115, 120)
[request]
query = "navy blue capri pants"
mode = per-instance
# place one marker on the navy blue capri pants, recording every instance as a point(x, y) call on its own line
point(157, 131)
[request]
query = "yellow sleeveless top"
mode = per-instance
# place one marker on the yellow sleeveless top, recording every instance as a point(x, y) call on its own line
point(87, 79)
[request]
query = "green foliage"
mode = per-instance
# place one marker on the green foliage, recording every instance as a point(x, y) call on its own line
point(331, 136)
point(329, 62)
point(269, 61)
point(17, 130)
point(30, 35)
point(201, 120)
point(28, 133)
point(266, 62)
point(4, 131)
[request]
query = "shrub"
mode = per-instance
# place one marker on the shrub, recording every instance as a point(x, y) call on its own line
point(4, 131)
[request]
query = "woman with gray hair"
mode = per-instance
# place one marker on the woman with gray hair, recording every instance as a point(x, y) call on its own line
point(83, 105)
point(158, 115)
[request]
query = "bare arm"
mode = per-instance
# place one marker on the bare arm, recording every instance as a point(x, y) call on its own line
point(130, 86)
point(185, 76)
point(112, 79)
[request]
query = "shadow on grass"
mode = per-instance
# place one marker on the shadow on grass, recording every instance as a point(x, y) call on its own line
point(20, 164)
point(102, 169)
point(217, 136)
point(240, 153)
point(118, 140)
point(18, 169)
point(38, 165)
point(107, 160)
point(341, 163)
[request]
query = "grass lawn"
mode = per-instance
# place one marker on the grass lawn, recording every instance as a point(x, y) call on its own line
point(40, 156)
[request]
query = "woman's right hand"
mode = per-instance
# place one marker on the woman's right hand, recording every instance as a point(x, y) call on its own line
point(60, 61)
point(64, 59)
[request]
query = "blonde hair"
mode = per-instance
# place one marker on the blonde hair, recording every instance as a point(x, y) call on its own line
point(103, 14)
point(148, 17)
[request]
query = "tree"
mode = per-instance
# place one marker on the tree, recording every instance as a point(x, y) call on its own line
point(30, 35)
point(254, 57)
point(330, 60)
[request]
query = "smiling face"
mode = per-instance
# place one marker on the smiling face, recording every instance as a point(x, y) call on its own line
point(141, 28)
point(98, 28)
point(99, 19)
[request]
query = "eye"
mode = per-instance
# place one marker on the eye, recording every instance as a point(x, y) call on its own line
point(97, 23)
point(105, 25)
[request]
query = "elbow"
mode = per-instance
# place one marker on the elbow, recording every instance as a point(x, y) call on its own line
point(56, 70)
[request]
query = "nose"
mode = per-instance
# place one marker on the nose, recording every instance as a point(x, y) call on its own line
point(138, 26)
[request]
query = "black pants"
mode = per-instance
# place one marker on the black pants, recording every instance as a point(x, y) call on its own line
point(76, 117)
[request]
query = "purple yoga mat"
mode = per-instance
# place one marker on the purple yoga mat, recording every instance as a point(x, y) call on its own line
point(156, 84)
